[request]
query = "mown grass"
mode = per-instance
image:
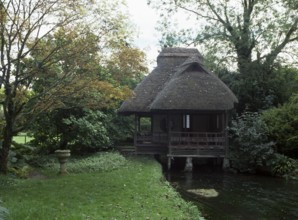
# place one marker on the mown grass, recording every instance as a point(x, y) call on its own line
point(131, 188)
point(22, 138)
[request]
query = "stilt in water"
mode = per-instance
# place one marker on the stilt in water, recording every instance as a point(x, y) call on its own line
point(169, 163)
point(226, 163)
point(188, 164)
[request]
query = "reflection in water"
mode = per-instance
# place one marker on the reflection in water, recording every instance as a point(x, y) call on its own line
point(208, 193)
point(239, 196)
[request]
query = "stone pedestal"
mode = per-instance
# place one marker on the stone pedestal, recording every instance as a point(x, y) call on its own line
point(62, 156)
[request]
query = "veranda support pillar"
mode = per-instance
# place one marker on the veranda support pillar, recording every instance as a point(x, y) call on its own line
point(169, 163)
point(137, 126)
point(226, 161)
point(188, 164)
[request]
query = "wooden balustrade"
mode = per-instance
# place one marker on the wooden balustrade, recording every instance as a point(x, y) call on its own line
point(205, 144)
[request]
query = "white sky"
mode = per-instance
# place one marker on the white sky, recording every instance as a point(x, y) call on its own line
point(145, 19)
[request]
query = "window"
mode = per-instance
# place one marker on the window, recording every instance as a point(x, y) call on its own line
point(186, 121)
point(145, 124)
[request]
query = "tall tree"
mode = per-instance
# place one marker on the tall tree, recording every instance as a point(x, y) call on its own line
point(253, 34)
point(26, 28)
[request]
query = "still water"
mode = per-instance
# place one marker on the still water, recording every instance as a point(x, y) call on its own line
point(238, 196)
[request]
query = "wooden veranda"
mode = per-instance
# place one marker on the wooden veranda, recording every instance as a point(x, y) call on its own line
point(182, 144)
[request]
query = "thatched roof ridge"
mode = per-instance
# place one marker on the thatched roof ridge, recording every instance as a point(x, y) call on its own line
point(193, 87)
point(180, 82)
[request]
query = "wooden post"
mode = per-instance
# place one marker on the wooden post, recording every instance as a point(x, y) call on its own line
point(226, 161)
point(169, 133)
point(188, 164)
point(152, 123)
point(136, 131)
point(169, 162)
point(169, 128)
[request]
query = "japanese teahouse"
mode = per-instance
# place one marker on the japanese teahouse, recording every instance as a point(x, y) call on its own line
point(181, 109)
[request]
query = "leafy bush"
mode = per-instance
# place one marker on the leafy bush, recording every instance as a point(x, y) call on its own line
point(46, 131)
point(87, 132)
point(18, 156)
point(120, 128)
point(282, 165)
point(250, 145)
point(81, 130)
point(282, 125)
point(3, 211)
point(20, 172)
point(104, 161)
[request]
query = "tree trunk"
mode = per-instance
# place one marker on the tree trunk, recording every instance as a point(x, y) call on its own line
point(8, 108)
point(7, 139)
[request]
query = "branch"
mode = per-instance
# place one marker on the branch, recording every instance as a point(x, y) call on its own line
point(274, 53)
point(234, 36)
point(196, 13)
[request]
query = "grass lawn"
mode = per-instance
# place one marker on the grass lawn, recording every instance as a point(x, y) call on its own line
point(101, 187)
point(22, 138)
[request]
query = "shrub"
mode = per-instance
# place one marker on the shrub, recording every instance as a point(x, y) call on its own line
point(120, 128)
point(18, 157)
point(282, 165)
point(81, 130)
point(250, 146)
point(104, 161)
point(87, 132)
point(20, 172)
point(3, 211)
point(282, 125)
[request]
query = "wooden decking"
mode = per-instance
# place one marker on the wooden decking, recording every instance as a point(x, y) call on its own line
point(182, 144)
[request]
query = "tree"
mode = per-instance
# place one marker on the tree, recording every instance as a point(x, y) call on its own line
point(28, 26)
point(253, 34)
point(127, 65)
point(100, 94)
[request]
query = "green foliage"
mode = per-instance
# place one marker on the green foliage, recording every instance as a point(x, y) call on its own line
point(19, 154)
point(20, 172)
point(46, 132)
point(282, 125)
point(104, 161)
point(87, 132)
point(82, 131)
point(3, 212)
point(59, 68)
point(259, 90)
point(285, 83)
point(282, 165)
point(250, 144)
point(120, 129)
point(18, 157)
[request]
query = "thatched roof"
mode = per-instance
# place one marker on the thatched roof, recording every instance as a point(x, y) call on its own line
point(179, 82)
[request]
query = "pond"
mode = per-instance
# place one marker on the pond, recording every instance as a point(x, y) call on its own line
point(232, 196)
